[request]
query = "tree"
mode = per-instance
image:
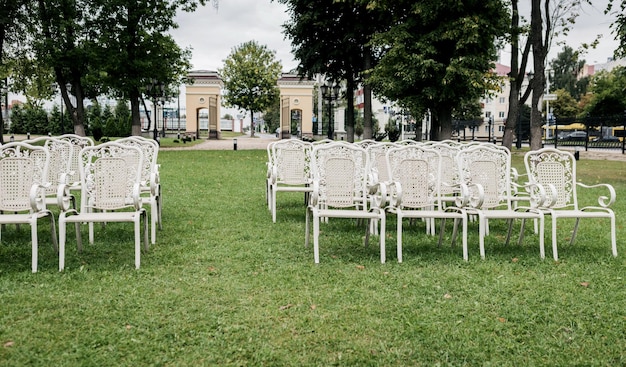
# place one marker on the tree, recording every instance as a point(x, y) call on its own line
point(548, 19)
point(250, 74)
point(619, 26)
point(566, 68)
point(135, 49)
point(332, 38)
point(565, 105)
point(438, 55)
point(271, 116)
point(609, 95)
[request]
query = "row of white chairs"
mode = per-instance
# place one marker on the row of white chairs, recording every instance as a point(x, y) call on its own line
point(431, 180)
point(112, 177)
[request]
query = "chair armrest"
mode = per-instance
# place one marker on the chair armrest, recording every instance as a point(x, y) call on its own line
point(379, 196)
point(603, 201)
point(472, 195)
point(155, 180)
point(315, 193)
point(394, 194)
point(63, 197)
point(37, 196)
point(136, 195)
point(372, 182)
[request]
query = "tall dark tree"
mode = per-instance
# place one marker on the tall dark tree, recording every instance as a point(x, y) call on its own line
point(135, 48)
point(332, 38)
point(438, 55)
point(565, 70)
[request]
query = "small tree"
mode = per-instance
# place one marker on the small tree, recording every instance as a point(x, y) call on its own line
point(250, 74)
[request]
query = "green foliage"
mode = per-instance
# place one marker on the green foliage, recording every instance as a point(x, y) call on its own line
point(271, 116)
point(619, 26)
point(250, 74)
point(392, 130)
point(566, 68)
point(565, 105)
point(609, 95)
point(26, 119)
point(438, 55)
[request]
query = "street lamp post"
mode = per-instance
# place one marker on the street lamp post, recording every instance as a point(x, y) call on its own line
point(156, 90)
point(4, 91)
point(330, 94)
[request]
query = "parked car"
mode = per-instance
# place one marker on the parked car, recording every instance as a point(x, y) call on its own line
point(575, 136)
point(611, 139)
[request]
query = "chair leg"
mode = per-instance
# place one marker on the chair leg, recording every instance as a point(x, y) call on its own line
point(574, 232)
point(555, 253)
point(399, 238)
point(35, 248)
point(53, 231)
point(464, 239)
point(146, 244)
point(382, 237)
point(316, 234)
point(613, 243)
point(62, 235)
point(542, 250)
point(307, 225)
point(481, 235)
point(137, 224)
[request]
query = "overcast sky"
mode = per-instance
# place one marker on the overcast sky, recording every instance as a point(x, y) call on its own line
point(212, 33)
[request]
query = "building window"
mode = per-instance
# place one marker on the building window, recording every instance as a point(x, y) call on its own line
point(502, 100)
point(501, 114)
point(500, 128)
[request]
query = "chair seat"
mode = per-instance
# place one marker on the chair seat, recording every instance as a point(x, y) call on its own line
point(22, 218)
point(104, 217)
point(596, 213)
point(346, 213)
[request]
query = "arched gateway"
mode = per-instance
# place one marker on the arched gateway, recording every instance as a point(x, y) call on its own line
point(204, 90)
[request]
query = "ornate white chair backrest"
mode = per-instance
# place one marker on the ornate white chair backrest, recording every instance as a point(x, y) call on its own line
point(59, 167)
point(291, 158)
point(549, 166)
point(21, 166)
point(448, 150)
point(417, 169)
point(110, 176)
point(150, 150)
point(489, 167)
point(340, 170)
point(78, 143)
point(376, 155)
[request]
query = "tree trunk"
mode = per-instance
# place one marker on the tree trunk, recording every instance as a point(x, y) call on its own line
point(513, 112)
point(538, 81)
point(252, 124)
point(349, 119)
point(135, 117)
point(368, 132)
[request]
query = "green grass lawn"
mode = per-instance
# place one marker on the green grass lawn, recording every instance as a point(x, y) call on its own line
point(224, 286)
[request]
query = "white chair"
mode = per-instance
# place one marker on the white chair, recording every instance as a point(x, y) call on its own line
point(555, 170)
point(340, 190)
point(485, 173)
point(416, 173)
point(110, 192)
point(150, 180)
point(59, 167)
point(78, 143)
point(268, 178)
point(290, 169)
point(23, 169)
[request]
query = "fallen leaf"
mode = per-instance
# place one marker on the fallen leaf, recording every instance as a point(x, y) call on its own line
point(289, 305)
point(313, 307)
point(9, 344)
point(515, 259)
point(128, 327)
point(360, 267)
point(447, 296)
point(584, 284)
point(502, 319)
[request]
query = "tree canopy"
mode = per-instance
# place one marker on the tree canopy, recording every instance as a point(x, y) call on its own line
point(250, 74)
point(438, 55)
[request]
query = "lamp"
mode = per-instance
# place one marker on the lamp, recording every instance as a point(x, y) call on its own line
point(330, 94)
